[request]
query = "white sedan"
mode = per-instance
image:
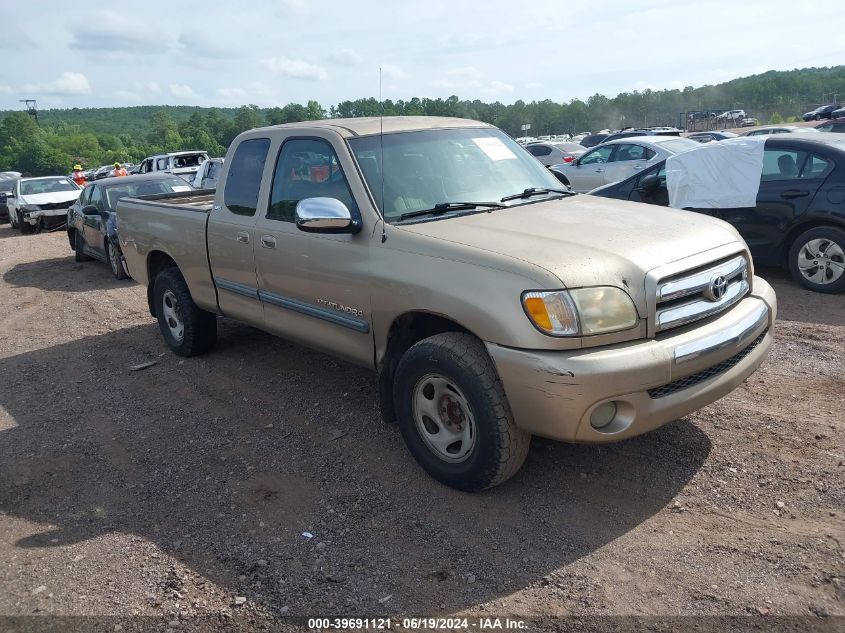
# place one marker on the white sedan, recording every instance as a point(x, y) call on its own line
point(41, 202)
point(617, 160)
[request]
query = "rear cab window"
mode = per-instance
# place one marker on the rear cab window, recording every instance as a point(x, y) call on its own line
point(243, 181)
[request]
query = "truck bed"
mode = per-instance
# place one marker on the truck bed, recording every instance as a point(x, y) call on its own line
point(169, 225)
point(197, 200)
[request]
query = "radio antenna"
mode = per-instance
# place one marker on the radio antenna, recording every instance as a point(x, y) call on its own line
point(381, 157)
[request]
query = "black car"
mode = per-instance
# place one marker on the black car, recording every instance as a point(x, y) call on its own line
point(6, 186)
point(92, 222)
point(822, 112)
point(799, 220)
point(593, 139)
point(834, 125)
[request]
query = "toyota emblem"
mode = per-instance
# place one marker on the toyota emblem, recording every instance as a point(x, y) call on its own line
point(717, 288)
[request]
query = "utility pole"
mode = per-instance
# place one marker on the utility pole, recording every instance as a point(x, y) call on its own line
point(31, 108)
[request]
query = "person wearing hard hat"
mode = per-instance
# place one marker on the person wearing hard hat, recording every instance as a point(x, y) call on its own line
point(119, 170)
point(78, 176)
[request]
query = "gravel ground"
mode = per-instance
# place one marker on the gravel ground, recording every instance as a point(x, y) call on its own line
point(184, 490)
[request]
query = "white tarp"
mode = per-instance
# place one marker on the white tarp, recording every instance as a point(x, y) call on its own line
point(717, 175)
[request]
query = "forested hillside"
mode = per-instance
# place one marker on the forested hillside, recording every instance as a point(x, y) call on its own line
point(95, 136)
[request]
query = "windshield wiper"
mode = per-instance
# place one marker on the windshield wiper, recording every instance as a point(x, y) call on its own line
point(443, 207)
point(535, 191)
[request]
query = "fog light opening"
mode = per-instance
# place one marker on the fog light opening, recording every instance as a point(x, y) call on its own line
point(603, 415)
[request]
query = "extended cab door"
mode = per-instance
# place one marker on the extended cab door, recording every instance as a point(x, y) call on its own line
point(314, 286)
point(231, 231)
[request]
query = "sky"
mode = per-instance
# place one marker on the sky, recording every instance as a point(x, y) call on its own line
point(273, 52)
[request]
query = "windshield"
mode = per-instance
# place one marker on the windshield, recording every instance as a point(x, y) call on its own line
point(430, 167)
point(144, 188)
point(49, 185)
point(678, 145)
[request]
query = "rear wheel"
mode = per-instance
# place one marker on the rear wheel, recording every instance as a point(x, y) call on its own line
point(817, 259)
point(118, 268)
point(79, 248)
point(13, 219)
point(188, 330)
point(454, 415)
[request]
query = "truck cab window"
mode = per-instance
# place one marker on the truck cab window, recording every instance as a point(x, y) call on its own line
point(306, 168)
point(240, 195)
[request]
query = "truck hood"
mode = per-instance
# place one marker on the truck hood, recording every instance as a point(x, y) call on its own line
point(588, 241)
point(50, 198)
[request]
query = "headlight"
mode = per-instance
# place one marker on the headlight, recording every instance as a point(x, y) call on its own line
point(30, 207)
point(580, 312)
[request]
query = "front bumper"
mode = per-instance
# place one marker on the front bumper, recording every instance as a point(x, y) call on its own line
point(45, 217)
point(652, 381)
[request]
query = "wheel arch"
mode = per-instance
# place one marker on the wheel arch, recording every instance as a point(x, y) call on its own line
point(156, 262)
point(795, 231)
point(406, 330)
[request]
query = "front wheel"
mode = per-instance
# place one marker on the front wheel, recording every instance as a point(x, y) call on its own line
point(79, 248)
point(817, 259)
point(25, 227)
point(188, 330)
point(454, 415)
point(118, 266)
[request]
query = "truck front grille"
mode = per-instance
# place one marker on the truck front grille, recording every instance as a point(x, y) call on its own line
point(705, 374)
point(700, 293)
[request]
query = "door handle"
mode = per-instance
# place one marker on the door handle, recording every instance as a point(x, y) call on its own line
point(268, 241)
point(243, 237)
point(599, 170)
point(794, 193)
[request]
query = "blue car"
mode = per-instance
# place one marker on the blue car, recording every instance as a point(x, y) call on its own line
point(92, 222)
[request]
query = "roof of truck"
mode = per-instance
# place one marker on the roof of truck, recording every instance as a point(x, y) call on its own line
point(366, 126)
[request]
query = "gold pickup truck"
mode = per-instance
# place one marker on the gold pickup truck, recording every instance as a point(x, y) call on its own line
point(493, 304)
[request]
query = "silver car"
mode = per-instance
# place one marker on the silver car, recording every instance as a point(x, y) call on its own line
point(779, 129)
point(551, 153)
point(617, 160)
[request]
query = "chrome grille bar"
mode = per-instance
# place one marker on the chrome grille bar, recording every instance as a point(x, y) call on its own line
point(686, 299)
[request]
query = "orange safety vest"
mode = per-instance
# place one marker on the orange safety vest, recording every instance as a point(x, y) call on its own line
point(120, 172)
point(79, 179)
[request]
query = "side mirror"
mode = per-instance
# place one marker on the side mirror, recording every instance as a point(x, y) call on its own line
point(325, 215)
point(90, 210)
point(649, 184)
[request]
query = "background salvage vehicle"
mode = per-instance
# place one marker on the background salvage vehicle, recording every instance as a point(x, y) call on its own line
point(554, 153)
point(41, 202)
point(595, 324)
point(768, 130)
point(183, 164)
point(208, 174)
point(798, 220)
point(616, 160)
point(834, 125)
point(92, 223)
point(6, 186)
point(707, 137)
point(822, 112)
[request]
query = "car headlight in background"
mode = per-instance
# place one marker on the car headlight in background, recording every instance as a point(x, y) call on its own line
point(580, 312)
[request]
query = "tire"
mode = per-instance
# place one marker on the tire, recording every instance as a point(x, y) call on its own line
point(79, 248)
point(824, 245)
point(458, 367)
point(13, 220)
point(188, 330)
point(115, 257)
point(25, 227)
point(817, 118)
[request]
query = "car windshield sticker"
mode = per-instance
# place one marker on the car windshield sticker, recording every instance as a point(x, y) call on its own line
point(178, 188)
point(494, 148)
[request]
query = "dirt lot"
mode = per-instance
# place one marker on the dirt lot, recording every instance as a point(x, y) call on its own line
point(174, 490)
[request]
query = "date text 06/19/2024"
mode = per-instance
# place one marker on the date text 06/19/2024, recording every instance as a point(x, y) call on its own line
point(430, 624)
